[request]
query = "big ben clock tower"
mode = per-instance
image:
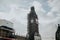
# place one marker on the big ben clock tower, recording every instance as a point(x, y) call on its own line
point(33, 31)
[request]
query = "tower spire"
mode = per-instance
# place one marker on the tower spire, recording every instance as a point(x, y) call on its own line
point(32, 8)
point(32, 24)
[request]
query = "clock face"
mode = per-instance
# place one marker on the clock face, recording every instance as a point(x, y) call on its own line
point(32, 20)
point(36, 20)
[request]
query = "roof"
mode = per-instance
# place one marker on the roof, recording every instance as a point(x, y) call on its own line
point(7, 23)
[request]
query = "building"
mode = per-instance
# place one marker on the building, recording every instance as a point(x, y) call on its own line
point(58, 33)
point(6, 30)
point(33, 31)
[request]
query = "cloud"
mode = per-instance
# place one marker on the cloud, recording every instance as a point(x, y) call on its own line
point(38, 6)
point(50, 20)
point(15, 14)
point(55, 11)
point(16, 11)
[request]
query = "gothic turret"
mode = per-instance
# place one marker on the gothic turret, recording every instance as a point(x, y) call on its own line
point(32, 24)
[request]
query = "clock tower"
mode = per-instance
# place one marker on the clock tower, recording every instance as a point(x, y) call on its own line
point(33, 30)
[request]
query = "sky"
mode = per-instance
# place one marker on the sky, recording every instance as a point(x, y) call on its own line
point(48, 12)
